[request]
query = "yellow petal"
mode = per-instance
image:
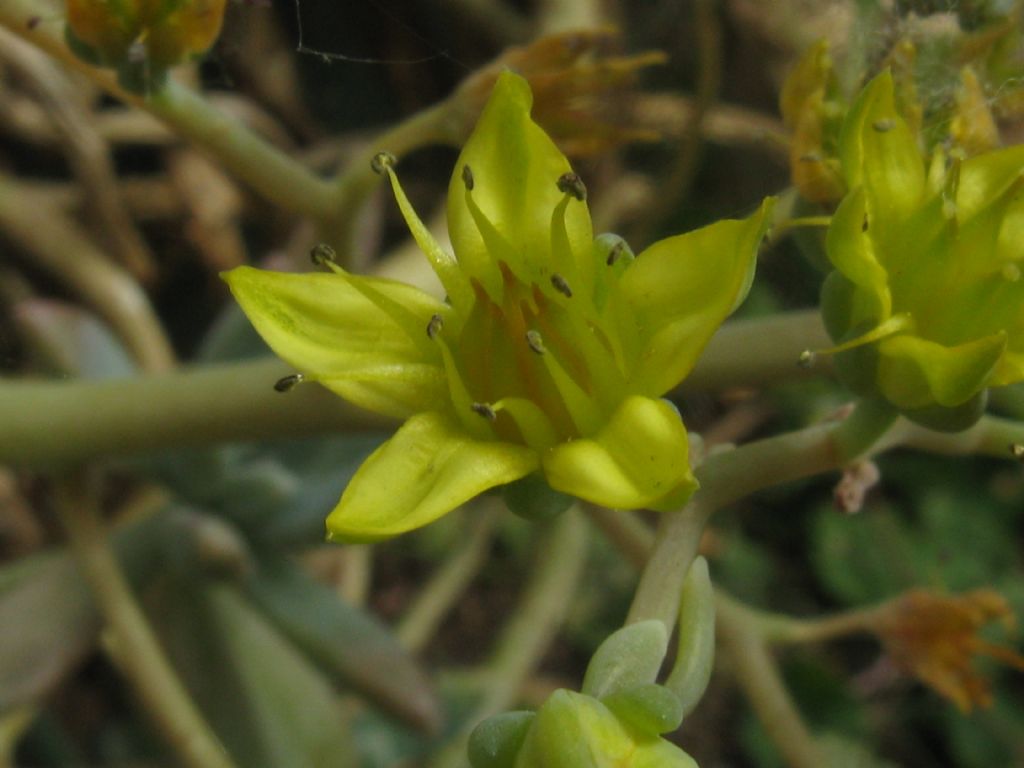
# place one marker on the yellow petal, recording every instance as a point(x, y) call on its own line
point(638, 459)
point(679, 291)
point(915, 373)
point(515, 169)
point(427, 469)
point(333, 332)
point(879, 151)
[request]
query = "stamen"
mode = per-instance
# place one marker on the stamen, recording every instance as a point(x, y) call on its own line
point(1017, 451)
point(571, 184)
point(483, 409)
point(536, 343)
point(434, 326)
point(288, 383)
point(534, 425)
point(615, 253)
point(884, 126)
point(382, 161)
point(807, 359)
point(895, 324)
point(559, 284)
point(467, 177)
point(322, 254)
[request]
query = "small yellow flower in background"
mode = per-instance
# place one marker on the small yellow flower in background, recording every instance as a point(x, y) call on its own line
point(926, 302)
point(550, 355)
point(810, 110)
point(142, 39)
point(935, 638)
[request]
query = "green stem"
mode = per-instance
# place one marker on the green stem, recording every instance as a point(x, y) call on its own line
point(758, 674)
point(675, 547)
point(47, 422)
point(53, 423)
point(133, 644)
point(759, 352)
point(777, 629)
point(553, 583)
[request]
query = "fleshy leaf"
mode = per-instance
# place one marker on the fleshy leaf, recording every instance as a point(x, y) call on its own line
point(914, 372)
point(680, 290)
point(515, 168)
point(334, 333)
point(628, 657)
point(695, 655)
point(639, 458)
point(427, 469)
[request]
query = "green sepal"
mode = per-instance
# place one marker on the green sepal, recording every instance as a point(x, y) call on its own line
point(956, 419)
point(533, 499)
point(496, 741)
point(650, 708)
point(629, 657)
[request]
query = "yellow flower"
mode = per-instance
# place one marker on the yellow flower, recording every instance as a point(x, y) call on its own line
point(935, 638)
point(550, 354)
point(926, 301)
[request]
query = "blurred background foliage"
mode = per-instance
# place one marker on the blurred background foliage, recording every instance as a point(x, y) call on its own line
point(303, 654)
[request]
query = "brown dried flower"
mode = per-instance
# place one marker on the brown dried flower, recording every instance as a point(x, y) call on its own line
point(581, 91)
point(936, 637)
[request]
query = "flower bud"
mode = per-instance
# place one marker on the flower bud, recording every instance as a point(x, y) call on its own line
point(573, 730)
point(142, 39)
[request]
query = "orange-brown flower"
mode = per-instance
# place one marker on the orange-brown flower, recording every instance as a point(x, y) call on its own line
point(936, 637)
point(581, 90)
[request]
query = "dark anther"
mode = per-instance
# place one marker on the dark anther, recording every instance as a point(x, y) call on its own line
point(467, 177)
point(435, 325)
point(571, 184)
point(559, 284)
point(536, 342)
point(33, 21)
point(382, 161)
point(806, 359)
point(884, 126)
point(616, 252)
point(288, 383)
point(322, 254)
point(483, 409)
point(864, 224)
